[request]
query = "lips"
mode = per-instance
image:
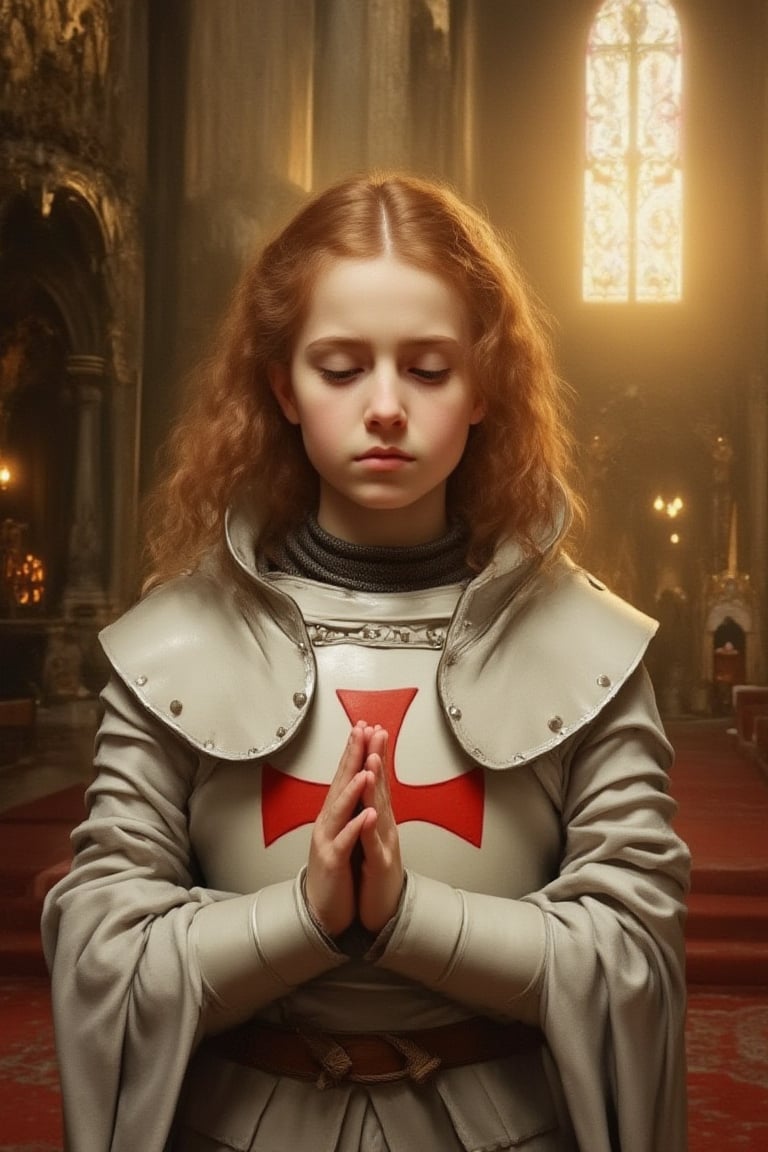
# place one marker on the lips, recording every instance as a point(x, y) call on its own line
point(383, 461)
point(384, 454)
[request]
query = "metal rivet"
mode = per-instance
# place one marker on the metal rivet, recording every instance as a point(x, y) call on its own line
point(252, 751)
point(176, 707)
point(302, 646)
point(518, 758)
point(454, 712)
point(467, 624)
point(141, 681)
point(299, 699)
point(555, 724)
point(604, 681)
point(281, 732)
point(208, 745)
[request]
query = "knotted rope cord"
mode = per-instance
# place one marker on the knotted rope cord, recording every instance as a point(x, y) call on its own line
point(336, 1064)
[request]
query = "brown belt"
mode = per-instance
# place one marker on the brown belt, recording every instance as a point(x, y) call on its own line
point(372, 1057)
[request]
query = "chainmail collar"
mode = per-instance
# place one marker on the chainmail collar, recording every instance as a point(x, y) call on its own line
point(312, 553)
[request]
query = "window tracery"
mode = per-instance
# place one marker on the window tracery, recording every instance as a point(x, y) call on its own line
point(633, 176)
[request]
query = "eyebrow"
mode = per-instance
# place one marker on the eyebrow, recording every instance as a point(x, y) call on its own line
point(359, 341)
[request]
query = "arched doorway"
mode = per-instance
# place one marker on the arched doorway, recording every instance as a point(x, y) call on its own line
point(54, 317)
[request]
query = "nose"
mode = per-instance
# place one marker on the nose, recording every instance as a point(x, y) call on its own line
point(384, 407)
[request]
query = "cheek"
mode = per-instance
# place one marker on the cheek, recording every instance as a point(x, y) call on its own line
point(321, 434)
point(451, 429)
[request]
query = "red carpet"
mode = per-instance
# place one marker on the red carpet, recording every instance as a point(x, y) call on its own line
point(723, 798)
point(30, 1119)
point(34, 850)
point(728, 1072)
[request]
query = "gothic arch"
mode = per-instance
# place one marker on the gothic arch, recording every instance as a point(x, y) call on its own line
point(56, 242)
point(54, 326)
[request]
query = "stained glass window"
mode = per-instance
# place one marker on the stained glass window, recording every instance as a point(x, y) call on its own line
point(633, 179)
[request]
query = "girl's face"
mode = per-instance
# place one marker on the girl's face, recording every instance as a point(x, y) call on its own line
point(378, 384)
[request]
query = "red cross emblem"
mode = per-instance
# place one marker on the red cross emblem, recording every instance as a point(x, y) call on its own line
point(455, 804)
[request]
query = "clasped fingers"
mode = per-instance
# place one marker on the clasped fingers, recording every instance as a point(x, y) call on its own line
point(382, 871)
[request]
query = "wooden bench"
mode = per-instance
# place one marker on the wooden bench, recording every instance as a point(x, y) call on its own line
point(749, 701)
point(761, 741)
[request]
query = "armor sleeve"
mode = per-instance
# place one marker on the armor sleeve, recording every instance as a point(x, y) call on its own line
point(481, 950)
point(144, 962)
point(605, 977)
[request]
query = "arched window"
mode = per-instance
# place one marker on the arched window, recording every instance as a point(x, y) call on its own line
point(633, 185)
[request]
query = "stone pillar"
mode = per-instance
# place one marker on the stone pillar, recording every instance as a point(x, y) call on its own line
point(341, 68)
point(124, 558)
point(722, 501)
point(248, 114)
point(247, 147)
point(84, 595)
point(394, 74)
point(389, 76)
point(464, 37)
point(437, 97)
point(758, 511)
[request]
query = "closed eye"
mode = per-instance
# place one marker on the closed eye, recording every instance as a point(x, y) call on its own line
point(338, 375)
point(430, 375)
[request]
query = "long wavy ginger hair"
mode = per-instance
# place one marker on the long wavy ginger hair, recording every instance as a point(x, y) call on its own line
point(513, 474)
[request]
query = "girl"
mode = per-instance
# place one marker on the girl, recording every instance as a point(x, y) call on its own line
point(378, 853)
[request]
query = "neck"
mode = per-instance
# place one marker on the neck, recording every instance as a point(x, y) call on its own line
point(420, 523)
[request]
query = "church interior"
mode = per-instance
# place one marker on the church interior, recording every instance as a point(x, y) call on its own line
point(147, 151)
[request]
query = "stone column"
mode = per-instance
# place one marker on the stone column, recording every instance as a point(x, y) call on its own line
point(465, 83)
point(437, 103)
point(389, 87)
point(84, 595)
point(248, 113)
point(246, 152)
point(341, 68)
point(395, 75)
point(125, 551)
